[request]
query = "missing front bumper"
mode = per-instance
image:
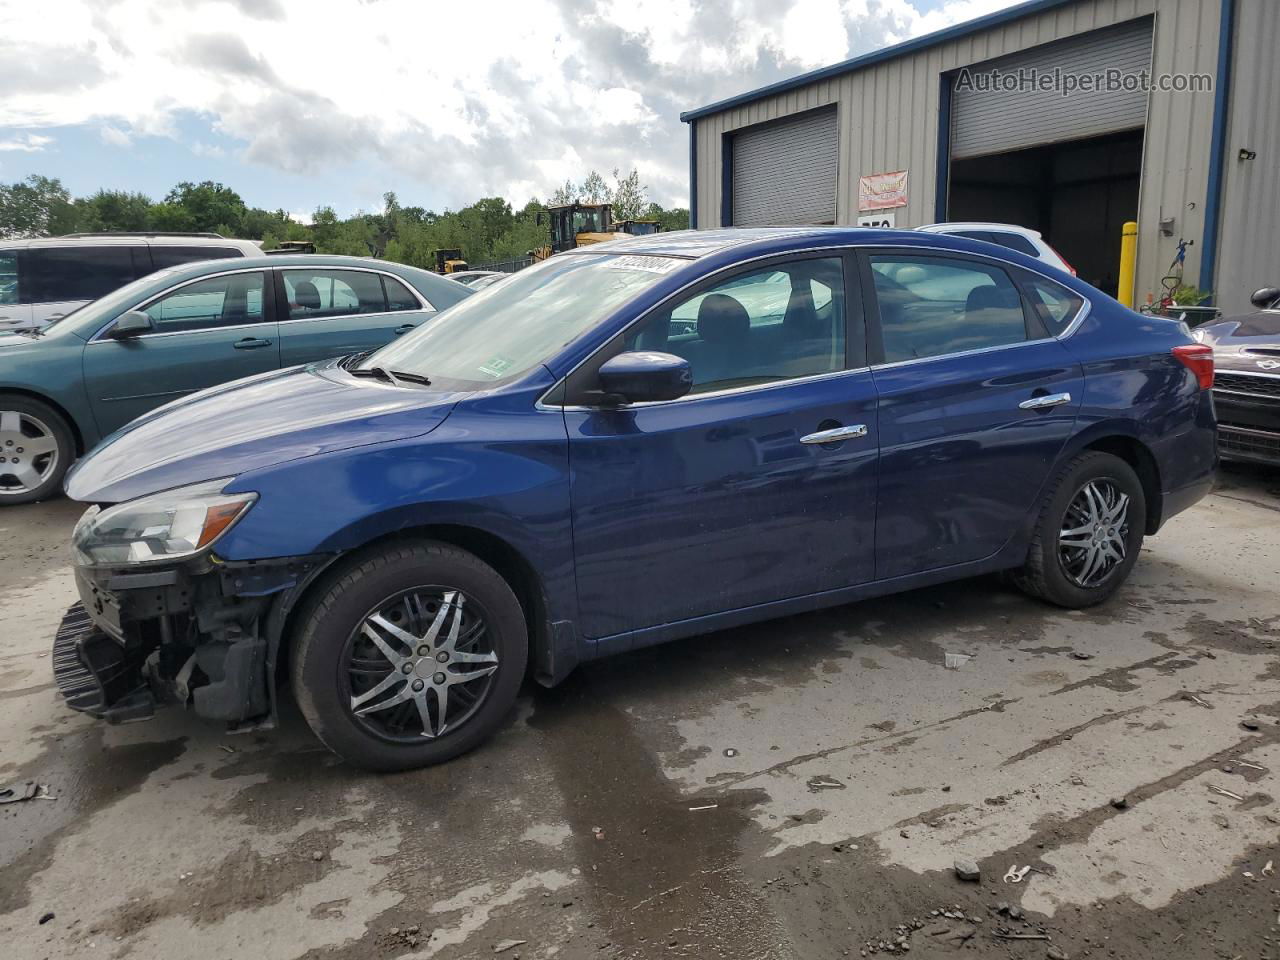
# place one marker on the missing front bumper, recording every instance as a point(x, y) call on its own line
point(95, 674)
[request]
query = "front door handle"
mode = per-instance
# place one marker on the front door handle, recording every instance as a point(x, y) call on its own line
point(404, 328)
point(1046, 401)
point(836, 435)
point(251, 343)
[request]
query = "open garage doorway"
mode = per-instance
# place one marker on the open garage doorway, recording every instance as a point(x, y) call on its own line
point(1078, 194)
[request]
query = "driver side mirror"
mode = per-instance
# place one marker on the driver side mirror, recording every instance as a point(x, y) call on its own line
point(1265, 298)
point(646, 376)
point(132, 324)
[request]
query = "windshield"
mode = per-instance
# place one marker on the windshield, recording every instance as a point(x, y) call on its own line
point(106, 308)
point(507, 329)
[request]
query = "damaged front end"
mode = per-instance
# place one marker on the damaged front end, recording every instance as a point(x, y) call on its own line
point(162, 620)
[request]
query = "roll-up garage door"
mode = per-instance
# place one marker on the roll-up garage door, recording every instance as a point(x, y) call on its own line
point(785, 171)
point(987, 118)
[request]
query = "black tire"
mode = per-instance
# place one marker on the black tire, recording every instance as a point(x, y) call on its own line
point(36, 420)
point(1048, 573)
point(332, 619)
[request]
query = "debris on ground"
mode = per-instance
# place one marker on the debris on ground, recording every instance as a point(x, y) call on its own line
point(967, 870)
point(1249, 723)
point(409, 936)
point(45, 918)
point(730, 752)
point(1077, 654)
point(954, 661)
point(1188, 695)
point(598, 832)
point(705, 806)
point(1056, 953)
point(28, 791)
point(505, 945)
point(824, 782)
point(1120, 802)
point(318, 856)
point(1016, 874)
point(1214, 788)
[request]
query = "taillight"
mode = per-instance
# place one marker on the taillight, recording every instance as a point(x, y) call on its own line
point(1198, 358)
point(1070, 269)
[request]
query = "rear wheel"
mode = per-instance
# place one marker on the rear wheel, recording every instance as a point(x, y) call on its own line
point(409, 657)
point(36, 448)
point(1089, 533)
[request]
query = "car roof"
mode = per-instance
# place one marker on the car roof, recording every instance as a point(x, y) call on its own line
point(126, 239)
point(693, 244)
point(978, 225)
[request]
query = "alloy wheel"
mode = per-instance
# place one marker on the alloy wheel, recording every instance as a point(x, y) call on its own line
point(1095, 531)
point(419, 665)
point(28, 452)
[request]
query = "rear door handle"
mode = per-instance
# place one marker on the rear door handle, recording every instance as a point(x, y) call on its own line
point(404, 328)
point(251, 343)
point(837, 434)
point(1046, 401)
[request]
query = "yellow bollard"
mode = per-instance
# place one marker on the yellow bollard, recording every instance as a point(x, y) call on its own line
point(1128, 262)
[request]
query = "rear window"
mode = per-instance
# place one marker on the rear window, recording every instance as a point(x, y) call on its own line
point(166, 256)
point(1013, 241)
point(55, 274)
point(1055, 305)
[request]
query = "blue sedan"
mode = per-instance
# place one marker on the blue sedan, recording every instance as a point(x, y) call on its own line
point(627, 444)
point(67, 384)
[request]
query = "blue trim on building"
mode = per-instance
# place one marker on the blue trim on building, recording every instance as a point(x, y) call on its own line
point(726, 179)
point(942, 174)
point(879, 56)
point(693, 177)
point(1217, 155)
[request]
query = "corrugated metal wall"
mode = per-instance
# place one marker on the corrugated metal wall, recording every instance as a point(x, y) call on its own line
point(1249, 248)
point(889, 119)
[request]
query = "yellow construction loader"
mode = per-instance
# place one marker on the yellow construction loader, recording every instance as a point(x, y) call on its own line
point(577, 225)
point(450, 261)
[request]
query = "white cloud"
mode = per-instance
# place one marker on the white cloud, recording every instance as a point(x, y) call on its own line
point(115, 137)
point(527, 95)
point(25, 143)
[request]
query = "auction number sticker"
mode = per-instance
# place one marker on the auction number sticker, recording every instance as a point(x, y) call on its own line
point(647, 264)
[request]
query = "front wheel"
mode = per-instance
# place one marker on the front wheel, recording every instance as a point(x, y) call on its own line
point(1089, 533)
point(409, 656)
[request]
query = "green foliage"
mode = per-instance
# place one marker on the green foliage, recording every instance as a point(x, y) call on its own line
point(1190, 296)
point(489, 229)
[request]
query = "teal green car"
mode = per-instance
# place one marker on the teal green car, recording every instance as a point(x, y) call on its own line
point(65, 387)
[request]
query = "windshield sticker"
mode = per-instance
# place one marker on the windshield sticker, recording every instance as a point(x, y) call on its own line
point(647, 264)
point(495, 367)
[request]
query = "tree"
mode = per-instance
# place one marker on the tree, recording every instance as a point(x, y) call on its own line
point(563, 194)
point(630, 197)
point(208, 204)
point(110, 210)
point(594, 189)
point(35, 207)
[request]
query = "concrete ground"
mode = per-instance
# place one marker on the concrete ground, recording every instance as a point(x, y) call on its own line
point(800, 788)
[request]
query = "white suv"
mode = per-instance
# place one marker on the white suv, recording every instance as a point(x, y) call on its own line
point(41, 280)
point(1022, 239)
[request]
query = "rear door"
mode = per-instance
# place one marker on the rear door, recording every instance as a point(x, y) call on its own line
point(729, 497)
point(976, 402)
point(207, 331)
point(332, 312)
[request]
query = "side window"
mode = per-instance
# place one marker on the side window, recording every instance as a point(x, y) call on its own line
point(399, 297)
point(1054, 304)
point(164, 256)
point(319, 293)
point(773, 324)
point(1014, 241)
point(931, 306)
point(8, 277)
point(225, 301)
point(77, 273)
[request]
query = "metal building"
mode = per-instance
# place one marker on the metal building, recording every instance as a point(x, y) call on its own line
point(930, 130)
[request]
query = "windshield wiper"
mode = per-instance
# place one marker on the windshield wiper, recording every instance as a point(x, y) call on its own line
point(391, 376)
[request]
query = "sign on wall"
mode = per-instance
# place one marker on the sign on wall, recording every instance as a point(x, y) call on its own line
point(882, 191)
point(880, 220)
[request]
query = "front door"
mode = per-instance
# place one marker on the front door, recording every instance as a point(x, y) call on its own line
point(206, 332)
point(728, 497)
point(327, 312)
point(976, 402)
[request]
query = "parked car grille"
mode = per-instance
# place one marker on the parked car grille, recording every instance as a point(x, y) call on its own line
point(1248, 442)
point(1244, 383)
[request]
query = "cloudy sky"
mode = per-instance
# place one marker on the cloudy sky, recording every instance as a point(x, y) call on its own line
point(298, 103)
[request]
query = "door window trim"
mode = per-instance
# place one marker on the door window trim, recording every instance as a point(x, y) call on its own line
point(424, 305)
point(854, 317)
point(268, 309)
point(871, 306)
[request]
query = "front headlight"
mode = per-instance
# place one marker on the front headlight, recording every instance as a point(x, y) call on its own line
point(164, 526)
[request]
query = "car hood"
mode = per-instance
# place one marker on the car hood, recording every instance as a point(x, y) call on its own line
point(1249, 344)
point(253, 423)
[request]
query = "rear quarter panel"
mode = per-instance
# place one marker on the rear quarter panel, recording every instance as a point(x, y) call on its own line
point(1134, 386)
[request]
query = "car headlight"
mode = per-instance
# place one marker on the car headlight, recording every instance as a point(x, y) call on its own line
point(164, 526)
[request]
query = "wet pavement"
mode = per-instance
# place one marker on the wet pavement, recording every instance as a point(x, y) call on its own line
point(800, 788)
